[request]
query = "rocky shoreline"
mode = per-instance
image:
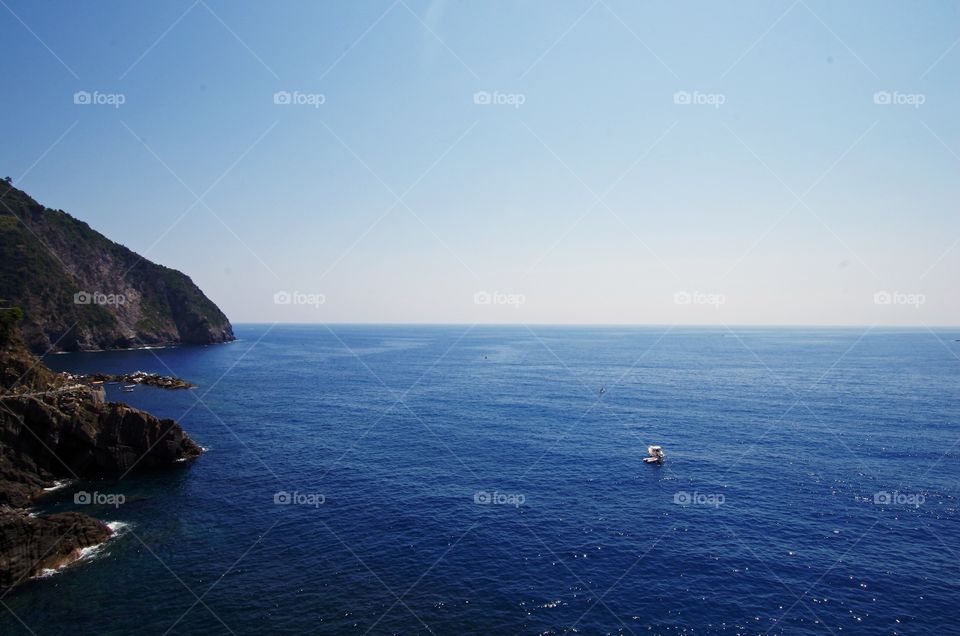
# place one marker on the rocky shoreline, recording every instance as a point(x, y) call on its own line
point(31, 545)
point(66, 287)
point(138, 377)
point(56, 428)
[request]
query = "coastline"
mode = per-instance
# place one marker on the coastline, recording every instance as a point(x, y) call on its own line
point(170, 345)
point(54, 433)
point(84, 554)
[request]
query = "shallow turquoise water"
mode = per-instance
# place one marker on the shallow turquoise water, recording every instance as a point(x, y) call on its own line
point(780, 441)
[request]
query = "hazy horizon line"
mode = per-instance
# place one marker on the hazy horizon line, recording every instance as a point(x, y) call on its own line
point(598, 324)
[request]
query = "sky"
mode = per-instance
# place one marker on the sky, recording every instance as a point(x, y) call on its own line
point(476, 161)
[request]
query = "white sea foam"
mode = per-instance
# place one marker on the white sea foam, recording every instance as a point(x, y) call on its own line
point(88, 553)
point(83, 554)
point(203, 449)
point(118, 527)
point(57, 485)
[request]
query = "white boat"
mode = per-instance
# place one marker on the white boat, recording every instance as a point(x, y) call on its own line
point(128, 388)
point(656, 455)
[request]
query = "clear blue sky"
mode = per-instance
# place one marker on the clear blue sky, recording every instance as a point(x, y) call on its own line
point(598, 199)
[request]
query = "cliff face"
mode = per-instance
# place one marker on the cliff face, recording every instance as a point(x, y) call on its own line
point(71, 432)
point(28, 545)
point(79, 290)
point(51, 431)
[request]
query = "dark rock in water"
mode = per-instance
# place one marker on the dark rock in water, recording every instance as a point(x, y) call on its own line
point(29, 545)
point(138, 377)
point(79, 290)
point(72, 433)
point(51, 430)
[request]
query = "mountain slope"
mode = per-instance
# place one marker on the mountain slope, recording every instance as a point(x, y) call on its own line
point(79, 290)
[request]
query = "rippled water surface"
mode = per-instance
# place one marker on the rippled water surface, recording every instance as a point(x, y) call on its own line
point(451, 480)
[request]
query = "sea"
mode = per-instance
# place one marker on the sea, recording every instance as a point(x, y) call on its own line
point(372, 479)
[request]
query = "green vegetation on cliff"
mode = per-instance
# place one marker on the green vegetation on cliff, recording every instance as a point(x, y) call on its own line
point(80, 290)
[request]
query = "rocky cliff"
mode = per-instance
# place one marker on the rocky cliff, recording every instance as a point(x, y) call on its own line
point(52, 431)
point(70, 432)
point(29, 545)
point(79, 290)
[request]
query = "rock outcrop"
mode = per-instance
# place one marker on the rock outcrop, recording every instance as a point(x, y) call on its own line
point(137, 377)
point(70, 433)
point(29, 545)
point(52, 431)
point(79, 290)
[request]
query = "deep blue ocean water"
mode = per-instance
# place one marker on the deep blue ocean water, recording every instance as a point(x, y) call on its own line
point(477, 481)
